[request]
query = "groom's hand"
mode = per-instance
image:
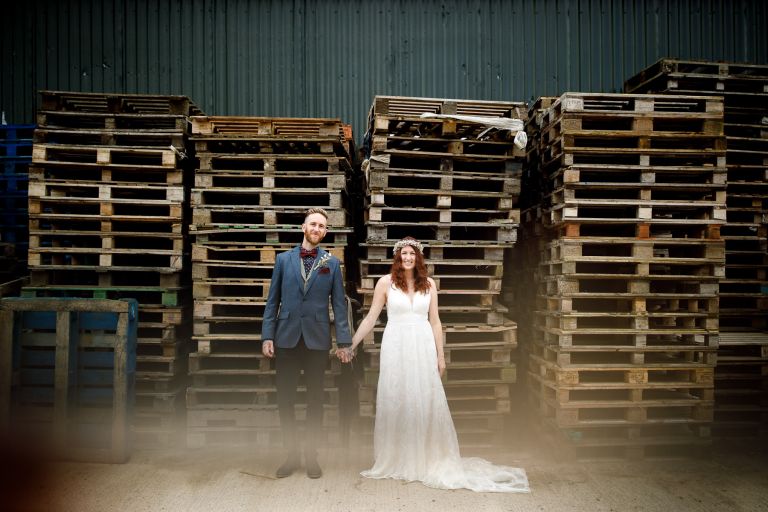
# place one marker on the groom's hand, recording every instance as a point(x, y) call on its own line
point(268, 348)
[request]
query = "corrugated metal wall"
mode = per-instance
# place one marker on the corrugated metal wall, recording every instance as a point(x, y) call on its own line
point(330, 57)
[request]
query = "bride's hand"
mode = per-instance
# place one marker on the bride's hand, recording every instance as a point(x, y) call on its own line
point(441, 365)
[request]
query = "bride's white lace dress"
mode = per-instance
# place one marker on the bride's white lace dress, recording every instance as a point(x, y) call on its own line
point(414, 436)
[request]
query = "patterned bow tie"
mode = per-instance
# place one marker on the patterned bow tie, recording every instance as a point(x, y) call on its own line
point(312, 253)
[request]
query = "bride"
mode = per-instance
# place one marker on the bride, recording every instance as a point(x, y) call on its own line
point(414, 436)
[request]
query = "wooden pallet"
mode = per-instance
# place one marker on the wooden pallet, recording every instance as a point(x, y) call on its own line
point(265, 197)
point(210, 150)
point(134, 156)
point(605, 105)
point(51, 119)
point(505, 233)
point(461, 353)
point(437, 198)
point(97, 173)
point(228, 126)
point(235, 214)
point(463, 333)
point(413, 106)
point(661, 177)
point(254, 179)
point(670, 74)
point(66, 101)
point(382, 144)
point(376, 213)
point(453, 183)
point(414, 126)
point(111, 137)
point(309, 163)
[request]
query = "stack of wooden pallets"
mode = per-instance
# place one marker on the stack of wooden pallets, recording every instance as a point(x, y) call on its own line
point(15, 155)
point(107, 214)
point(627, 309)
point(741, 390)
point(447, 173)
point(255, 179)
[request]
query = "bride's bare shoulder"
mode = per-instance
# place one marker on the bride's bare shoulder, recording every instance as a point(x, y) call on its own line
point(384, 281)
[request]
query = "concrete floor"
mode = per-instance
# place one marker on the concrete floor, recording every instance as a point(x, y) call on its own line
point(733, 479)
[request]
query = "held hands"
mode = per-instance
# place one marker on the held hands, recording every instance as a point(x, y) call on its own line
point(346, 354)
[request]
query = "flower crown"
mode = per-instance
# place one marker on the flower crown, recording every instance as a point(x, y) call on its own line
point(413, 243)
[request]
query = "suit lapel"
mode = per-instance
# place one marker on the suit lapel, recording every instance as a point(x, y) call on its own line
point(313, 276)
point(295, 266)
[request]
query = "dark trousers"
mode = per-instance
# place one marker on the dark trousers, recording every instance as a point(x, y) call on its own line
point(289, 362)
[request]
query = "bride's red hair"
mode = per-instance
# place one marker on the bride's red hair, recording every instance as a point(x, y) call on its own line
point(419, 271)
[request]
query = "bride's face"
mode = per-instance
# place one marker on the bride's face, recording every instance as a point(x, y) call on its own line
point(408, 257)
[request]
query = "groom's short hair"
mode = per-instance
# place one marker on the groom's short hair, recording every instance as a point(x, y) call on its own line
point(310, 211)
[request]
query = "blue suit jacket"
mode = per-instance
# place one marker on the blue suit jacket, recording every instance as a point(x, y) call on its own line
point(292, 312)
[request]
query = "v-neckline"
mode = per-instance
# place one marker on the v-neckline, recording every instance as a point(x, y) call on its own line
point(407, 296)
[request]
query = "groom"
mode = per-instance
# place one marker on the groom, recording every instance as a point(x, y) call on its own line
point(296, 331)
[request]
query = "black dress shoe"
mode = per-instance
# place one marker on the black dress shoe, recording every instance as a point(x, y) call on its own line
point(313, 469)
point(290, 465)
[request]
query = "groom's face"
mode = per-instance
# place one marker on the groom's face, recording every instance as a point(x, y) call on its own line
point(315, 227)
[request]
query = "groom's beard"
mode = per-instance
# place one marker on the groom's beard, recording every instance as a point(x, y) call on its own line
point(313, 238)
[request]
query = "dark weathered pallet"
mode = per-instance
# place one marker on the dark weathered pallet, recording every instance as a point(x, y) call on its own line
point(414, 106)
point(435, 127)
point(229, 126)
point(112, 137)
point(66, 101)
point(671, 177)
point(109, 242)
point(97, 173)
point(381, 144)
point(750, 77)
point(605, 105)
point(210, 150)
point(112, 121)
point(588, 129)
point(104, 155)
point(51, 209)
point(101, 260)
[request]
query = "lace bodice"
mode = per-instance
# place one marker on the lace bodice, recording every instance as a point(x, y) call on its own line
point(401, 309)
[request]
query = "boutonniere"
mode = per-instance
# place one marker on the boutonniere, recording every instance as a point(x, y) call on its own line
point(322, 263)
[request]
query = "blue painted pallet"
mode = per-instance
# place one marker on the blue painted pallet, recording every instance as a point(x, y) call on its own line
point(12, 132)
point(72, 355)
point(16, 149)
